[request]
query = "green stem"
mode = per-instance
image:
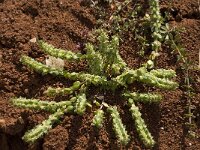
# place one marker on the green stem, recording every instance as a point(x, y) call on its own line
point(143, 97)
point(41, 68)
point(141, 127)
point(60, 53)
point(51, 106)
point(32, 135)
point(118, 126)
point(63, 91)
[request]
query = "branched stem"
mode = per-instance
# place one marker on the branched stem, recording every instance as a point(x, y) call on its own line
point(41, 129)
point(41, 68)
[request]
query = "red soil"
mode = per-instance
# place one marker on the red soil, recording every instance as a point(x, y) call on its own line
point(65, 24)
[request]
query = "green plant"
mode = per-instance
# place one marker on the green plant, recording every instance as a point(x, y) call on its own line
point(141, 127)
point(156, 23)
point(146, 29)
point(118, 126)
point(106, 70)
point(151, 31)
point(173, 39)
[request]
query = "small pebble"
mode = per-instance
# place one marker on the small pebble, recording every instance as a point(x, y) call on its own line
point(55, 62)
point(33, 40)
point(26, 91)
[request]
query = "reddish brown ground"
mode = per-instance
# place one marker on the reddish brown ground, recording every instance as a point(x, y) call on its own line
point(64, 23)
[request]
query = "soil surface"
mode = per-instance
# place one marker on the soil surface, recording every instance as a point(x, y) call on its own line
point(65, 24)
